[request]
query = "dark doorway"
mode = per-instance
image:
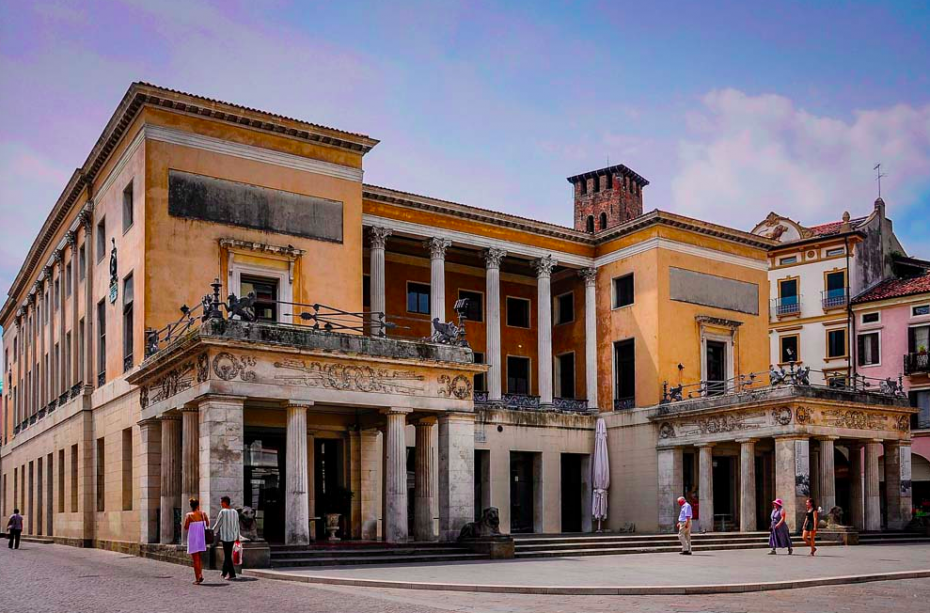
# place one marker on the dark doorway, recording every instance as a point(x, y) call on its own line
point(411, 489)
point(843, 485)
point(264, 480)
point(328, 493)
point(724, 507)
point(716, 368)
point(571, 492)
point(762, 504)
point(482, 481)
point(566, 364)
point(522, 508)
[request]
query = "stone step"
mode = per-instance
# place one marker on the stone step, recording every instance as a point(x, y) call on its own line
point(642, 539)
point(635, 544)
point(358, 546)
point(363, 559)
point(612, 551)
point(342, 553)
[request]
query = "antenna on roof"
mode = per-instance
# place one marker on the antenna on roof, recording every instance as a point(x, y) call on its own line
point(878, 177)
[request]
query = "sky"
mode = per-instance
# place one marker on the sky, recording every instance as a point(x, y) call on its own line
point(729, 109)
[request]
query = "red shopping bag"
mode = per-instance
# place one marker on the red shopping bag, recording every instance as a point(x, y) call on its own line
point(237, 553)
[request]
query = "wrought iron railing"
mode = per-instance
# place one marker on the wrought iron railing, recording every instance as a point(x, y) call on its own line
point(481, 396)
point(76, 389)
point(624, 404)
point(833, 299)
point(520, 401)
point(916, 363)
point(101, 378)
point(572, 405)
point(789, 305)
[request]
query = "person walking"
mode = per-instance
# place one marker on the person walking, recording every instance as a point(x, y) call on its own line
point(809, 532)
point(14, 528)
point(684, 526)
point(196, 523)
point(779, 537)
point(227, 531)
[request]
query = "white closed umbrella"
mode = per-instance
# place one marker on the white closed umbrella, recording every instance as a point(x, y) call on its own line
point(601, 476)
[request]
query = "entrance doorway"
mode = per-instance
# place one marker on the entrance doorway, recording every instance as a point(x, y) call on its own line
point(571, 492)
point(724, 493)
point(716, 368)
point(522, 507)
point(329, 495)
point(265, 474)
point(482, 481)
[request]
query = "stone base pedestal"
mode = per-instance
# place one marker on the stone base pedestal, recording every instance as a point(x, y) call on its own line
point(255, 554)
point(497, 547)
point(846, 535)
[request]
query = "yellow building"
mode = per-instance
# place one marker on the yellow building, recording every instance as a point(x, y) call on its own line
point(117, 406)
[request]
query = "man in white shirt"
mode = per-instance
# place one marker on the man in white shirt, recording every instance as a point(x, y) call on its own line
point(684, 526)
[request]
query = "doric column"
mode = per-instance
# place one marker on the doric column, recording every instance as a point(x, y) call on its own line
point(456, 473)
point(222, 439)
point(423, 480)
point(590, 336)
point(190, 459)
point(544, 268)
point(376, 270)
point(75, 375)
point(492, 259)
point(437, 277)
point(792, 477)
point(747, 484)
point(827, 470)
point(41, 371)
point(149, 479)
point(856, 501)
point(706, 486)
point(873, 514)
point(296, 500)
point(170, 476)
point(671, 486)
point(395, 476)
point(369, 492)
point(90, 377)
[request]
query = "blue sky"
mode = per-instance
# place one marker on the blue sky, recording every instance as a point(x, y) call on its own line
point(730, 109)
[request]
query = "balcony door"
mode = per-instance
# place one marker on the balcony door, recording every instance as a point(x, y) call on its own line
point(716, 367)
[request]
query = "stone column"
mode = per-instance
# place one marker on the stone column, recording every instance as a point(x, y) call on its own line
point(827, 495)
point(62, 307)
point(873, 511)
point(190, 460)
point(456, 473)
point(671, 486)
point(90, 377)
point(706, 486)
point(222, 441)
point(170, 493)
point(75, 375)
point(590, 336)
point(747, 484)
point(492, 259)
point(395, 476)
point(893, 485)
point(296, 501)
point(544, 268)
point(149, 479)
point(376, 270)
point(41, 372)
point(369, 491)
point(857, 511)
point(785, 482)
point(423, 507)
point(437, 277)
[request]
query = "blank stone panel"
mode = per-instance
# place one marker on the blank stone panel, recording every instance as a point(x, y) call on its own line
point(713, 291)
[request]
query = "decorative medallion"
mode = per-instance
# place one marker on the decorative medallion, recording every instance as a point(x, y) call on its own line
point(227, 367)
point(803, 415)
point(902, 424)
point(459, 386)
point(666, 430)
point(782, 416)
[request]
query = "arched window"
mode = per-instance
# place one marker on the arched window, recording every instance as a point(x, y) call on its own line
point(590, 224)
point(603, 221)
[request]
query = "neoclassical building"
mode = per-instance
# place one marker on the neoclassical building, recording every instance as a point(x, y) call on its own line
point(218, 305)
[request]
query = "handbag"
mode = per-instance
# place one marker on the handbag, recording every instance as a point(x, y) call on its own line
point(208, 536)
point(237, 553)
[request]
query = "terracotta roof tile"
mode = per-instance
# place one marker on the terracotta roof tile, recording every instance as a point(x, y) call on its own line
point(895, 288)
point(834, 226)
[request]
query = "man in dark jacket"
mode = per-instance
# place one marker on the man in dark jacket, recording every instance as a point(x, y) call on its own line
point(15, 528)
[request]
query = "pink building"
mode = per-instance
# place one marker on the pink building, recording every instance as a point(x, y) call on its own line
point(892, 330)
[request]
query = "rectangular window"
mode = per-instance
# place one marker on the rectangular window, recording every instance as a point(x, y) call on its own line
point(919, 399)
point(127, 469)
point(624, 374)
point(68, 278)
point(101, 342)
point(101, 476)
point(716, 368)
point(82, 262)
point(418, 298)
point(101, 239)
point(836, 343)
point(623, 291)
point(790, 349)
point(791, 259)
point(481, 382)
point(565, 375)
point(61, 480)
point(835, 292)
point(266, 296)
point(868, 349)
point(518, 375)
point(127, 208)
point(835, 251)
point(919, 311)
point(128, 328)
point(871, 318)
point(474, 309)
point(918, 339)
point(366, 291)
point(57, 293)
point(74, 478)
point(565, 308)
point(80, 351)
point(518, 312)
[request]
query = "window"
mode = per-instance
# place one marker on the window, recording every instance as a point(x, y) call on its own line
point(623, 291)
point(418, 298)
point(101, 476)
point(565, 308)
point(101, 341)
point(127, 208)
point(74, 478)
point(82, 263)
point(127, 469)
point(518, 375)
point(518, 312)
point(835, 292)
point(920, 400)
point(871, 318)
point(790, 350)
point(921, 310)
point(716, 358)
point(61, 480)
point(68, 278)
point(835, 251)
point(128, 327)
point(474, 310)
point(101, 239)
point(565, 375)
point(481, 380)
point(603, 221)
point(266, 296)
point(57, 293)
point(80, 351)
point(836, 343)
point(868, 349)
point(791, 259)
point(366, 291)
point(589, 224)
point(918, 339)
point(624, 374)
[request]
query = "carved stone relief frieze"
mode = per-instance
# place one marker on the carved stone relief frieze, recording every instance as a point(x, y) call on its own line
point(227, 367)
point(728, 422)
point(459, 386)
point(349, 377)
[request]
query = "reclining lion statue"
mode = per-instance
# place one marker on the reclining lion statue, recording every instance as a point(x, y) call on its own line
point(488, 525)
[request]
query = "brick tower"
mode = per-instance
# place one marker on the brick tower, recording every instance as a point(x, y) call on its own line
point(607, 197)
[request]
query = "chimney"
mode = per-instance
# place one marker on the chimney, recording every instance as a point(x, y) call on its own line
point(607, 197)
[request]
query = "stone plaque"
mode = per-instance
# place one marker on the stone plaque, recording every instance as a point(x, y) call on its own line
point(713, 291)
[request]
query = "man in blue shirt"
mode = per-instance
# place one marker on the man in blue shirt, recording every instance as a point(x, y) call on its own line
point(15, 528)
point(684, 526)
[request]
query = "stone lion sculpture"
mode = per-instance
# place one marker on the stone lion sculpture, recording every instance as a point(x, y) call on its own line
point(488, 525)
point(247, 527)
point(834, 518)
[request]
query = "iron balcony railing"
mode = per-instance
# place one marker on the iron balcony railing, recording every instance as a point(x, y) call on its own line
point(787, 305)
point(833, 299)
point(623, 404)
point(570, 405)
point(520, 401)
point(530, 402)
point(916, 363)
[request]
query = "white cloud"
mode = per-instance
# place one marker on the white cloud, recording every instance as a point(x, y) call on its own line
point(748, 155)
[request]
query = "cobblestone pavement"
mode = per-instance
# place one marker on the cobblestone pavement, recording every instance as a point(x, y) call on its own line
point(52, 578)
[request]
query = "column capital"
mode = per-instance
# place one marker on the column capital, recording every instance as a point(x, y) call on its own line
point(827, 438)
point(169, 417)
point(705, 445)
point(71, 237)
point(147, 423)
point(589, 275)
point(426, 422)
point(437, 247)
point(874, 441)
point(493, 257)
point(59, 255)
point(747, 440)
point(544, 266)
point(87, 220)
point(299, 404)
point(378, 236)
point(396, 411)
point(792, 437)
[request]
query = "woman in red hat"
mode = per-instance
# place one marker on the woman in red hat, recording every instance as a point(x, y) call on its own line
point(779, 537)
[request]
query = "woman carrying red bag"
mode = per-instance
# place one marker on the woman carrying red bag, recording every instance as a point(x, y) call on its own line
point(227, 530)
